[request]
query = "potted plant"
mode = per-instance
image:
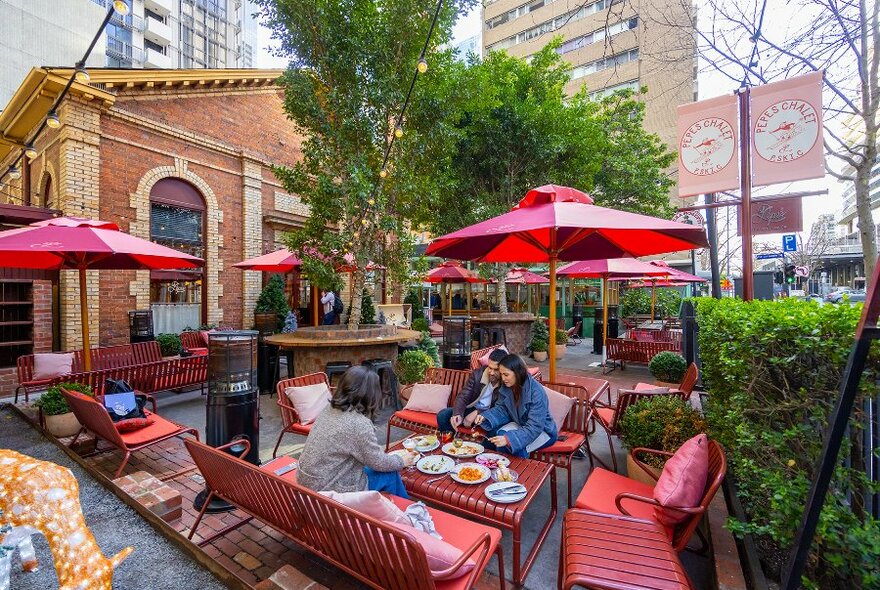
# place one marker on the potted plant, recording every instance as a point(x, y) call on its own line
point(668, 368)
point(561, 342)
point(59, 420)
point(271, 309)
point(662, 423)
point(169, 344)
point(421, 325)
point(411, 366)
point(539, 349)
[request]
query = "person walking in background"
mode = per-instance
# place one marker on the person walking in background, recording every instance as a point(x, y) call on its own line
point(327, 300)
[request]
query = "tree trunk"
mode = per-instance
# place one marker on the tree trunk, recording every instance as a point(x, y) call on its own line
point(867, 232)
point(358, 278)
point(501, 277)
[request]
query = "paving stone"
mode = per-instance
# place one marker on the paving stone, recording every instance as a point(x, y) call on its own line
point(158, 497)
point(290, 578)
point(247, 560)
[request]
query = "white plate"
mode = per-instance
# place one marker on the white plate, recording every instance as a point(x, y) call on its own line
point(427, 448)
point(449, 449)
point(492, 460)
point(454, 473)
point(505, 498)
point(401, 452)
point(513, 474)
point(443, 464)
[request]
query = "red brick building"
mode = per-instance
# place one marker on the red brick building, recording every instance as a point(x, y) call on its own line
point(181, 157)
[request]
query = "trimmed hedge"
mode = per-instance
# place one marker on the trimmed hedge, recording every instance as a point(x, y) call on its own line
point(773, 371)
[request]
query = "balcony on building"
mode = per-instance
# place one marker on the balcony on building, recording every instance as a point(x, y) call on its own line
point(161, 7)
point(156, 59)
point(157, 32)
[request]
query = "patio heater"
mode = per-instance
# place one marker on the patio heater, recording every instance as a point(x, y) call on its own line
point(233, 404)
point(140, 326)
point(457, 343)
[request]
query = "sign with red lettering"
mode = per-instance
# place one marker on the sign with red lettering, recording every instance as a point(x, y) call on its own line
point(707, 146)
point(786, 119)
point(779, 216)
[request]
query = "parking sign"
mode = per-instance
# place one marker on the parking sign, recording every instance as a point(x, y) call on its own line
point(789, 243)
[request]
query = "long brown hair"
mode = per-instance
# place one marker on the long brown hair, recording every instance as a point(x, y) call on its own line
point(514, 363)
point(359, 390)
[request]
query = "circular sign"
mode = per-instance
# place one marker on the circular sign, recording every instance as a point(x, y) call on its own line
point(786, 131)
point(689, 217)
point(707, 147)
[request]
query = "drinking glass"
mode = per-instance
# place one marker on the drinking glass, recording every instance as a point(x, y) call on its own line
point(446, 437)
point(410, 445)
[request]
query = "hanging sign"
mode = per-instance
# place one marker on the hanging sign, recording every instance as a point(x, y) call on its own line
point(707, 146)
point(774, 217)
point(786, 125)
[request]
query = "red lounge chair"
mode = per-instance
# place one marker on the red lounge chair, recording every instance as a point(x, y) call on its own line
point(607, 552)
point(290, 421)
point(426, 422)
point(610, 493)
point(688, 382)
point(94, 417)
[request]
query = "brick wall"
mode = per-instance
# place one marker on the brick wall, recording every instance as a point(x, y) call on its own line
point(42, 294)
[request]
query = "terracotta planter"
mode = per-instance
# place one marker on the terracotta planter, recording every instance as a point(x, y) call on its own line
point(635, 472)
point(62, 425)
point(560, 350)
point(540, 356)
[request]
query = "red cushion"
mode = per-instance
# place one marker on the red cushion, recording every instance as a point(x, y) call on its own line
point(571, 444)
point(683, 480)
point(198, 351)
point(424, 418)
point(158, 429)
point(607, 415)
point(644, 387)
point(133, 424)
point(459, 532)
point(601, 490)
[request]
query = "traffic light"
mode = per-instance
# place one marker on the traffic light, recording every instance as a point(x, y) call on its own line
point(778, 277)
point(789, 273)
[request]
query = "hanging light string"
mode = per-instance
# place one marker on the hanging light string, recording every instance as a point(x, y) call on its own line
point(79, 74)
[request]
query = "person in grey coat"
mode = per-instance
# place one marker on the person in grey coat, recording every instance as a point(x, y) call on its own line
point(342, 453)
point(520, 422)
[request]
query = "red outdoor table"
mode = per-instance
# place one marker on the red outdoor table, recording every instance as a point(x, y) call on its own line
point(470, 501)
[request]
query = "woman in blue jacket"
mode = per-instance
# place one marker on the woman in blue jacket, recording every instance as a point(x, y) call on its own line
point(520, 422)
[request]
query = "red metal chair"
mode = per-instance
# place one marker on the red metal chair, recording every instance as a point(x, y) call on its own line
point(574, 334)
point(608, 416)
point(290, 420)
point(610, 493)
point(94, 417)
point(426, 422)
point(609, 552)
point(688, 382)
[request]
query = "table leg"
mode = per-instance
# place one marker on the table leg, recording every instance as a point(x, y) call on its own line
point(520, 576)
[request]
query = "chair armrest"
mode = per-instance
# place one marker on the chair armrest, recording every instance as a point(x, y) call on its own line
point(152, 401)
point(285, 406)
point(247, 446)
point(484, 541)
point(594, 399)
point(618, 501)
point(644, 466)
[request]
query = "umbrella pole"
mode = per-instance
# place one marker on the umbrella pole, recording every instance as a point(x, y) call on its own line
point(316, 301)
point(467, 293)
point(551, 348)
point(518, 304)
point(84, 317)
point(604, 317)
point(653, 299)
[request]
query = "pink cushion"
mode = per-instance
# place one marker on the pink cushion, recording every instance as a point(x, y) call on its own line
point(204, 334)
point(309, 400)
point(372, 504)
point(559, 405)
point(683, 480)
point(484, 360)
point(440, 554)
point(650, 387)
point(51, 365)
point(428, 397)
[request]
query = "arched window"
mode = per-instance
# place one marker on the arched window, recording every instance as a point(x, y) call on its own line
point(46, 193)
point(177, 220)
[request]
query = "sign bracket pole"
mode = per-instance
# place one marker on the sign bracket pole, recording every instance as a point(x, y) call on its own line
point(745, 179)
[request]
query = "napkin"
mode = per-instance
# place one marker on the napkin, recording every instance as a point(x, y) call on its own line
point(421, 519)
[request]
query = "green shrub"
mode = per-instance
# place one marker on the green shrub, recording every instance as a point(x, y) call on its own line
point(169, 344)
point(663, 423)
point(421, 324)
point(561, 337)
point(418, 312)
point(638, 302)
point(773, 371)
point(273, 299)
point(539, 330)
point(53, 403)
point(429, 347)
point(538, 345)
point(411, 366)
point(368, 310)
point(668, 366)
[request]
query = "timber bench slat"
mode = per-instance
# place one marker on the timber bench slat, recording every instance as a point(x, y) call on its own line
point(637, 351)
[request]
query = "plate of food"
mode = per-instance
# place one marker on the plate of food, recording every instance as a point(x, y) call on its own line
point(463, 449)
point(502, 473)
point(505, 492)
point(471, 473)
point(492, 460)
point(435, 464)
point(426, 443)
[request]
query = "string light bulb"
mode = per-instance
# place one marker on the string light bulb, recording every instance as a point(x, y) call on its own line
point(383, 173)
point(363, 221)
point(120, 6)
point(422, 67)
point(52, 120)
point(30, 151)
point(371, 202)
point(82, 75)
point(14, 172)
point(398, 131)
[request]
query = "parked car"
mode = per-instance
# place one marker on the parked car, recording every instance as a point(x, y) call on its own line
point(837, 293)
point(853, 296)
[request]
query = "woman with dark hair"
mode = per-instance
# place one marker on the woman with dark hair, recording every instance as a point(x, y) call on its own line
point(342, 453)
point(520, 422)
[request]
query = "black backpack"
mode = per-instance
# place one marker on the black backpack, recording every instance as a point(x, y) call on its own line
point(337, 304)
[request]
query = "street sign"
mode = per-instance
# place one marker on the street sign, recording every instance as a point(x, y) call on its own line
point(789, 243)
point(801, 271)
point(797, 293)
point(769, 256)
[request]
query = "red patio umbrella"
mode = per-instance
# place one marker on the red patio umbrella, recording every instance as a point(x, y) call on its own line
point(85, 244)
point(523, 276)
point(676, 274)
point(553, 223)
point(279, 261)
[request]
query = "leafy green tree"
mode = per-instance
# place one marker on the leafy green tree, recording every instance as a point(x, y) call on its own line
point(351, 66)
point(273, 299)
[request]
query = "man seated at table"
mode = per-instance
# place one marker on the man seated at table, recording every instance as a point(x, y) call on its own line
point(479, 394)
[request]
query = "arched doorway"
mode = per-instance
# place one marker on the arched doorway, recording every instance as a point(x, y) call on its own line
point(177, 220)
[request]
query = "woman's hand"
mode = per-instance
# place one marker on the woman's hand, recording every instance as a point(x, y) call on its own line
point(500, 441)
point(478, 420)
point(409, 458)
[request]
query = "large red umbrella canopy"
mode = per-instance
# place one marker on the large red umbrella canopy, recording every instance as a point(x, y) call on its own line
point(279, 261)
point(523, 276)
point(452, 272)
point(609, 268)
point(553, 223)
point(676, 274)
point(85, 244)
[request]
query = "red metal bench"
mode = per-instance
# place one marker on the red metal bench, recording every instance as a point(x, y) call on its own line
point(372, 551)
point(106, 357)
point(290, 420)
point(426, 422)
point(622, 351)
point(171, 373)
point(94, 417)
